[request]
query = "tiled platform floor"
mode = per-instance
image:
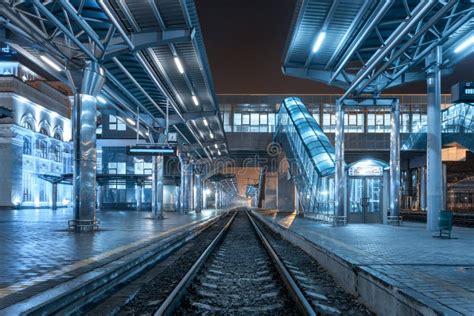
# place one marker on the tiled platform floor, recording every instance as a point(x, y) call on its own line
point(35, 245)
point(441, 270)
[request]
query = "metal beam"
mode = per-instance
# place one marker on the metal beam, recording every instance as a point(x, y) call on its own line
point(143, 40)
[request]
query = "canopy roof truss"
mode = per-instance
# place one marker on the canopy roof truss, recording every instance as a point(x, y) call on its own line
point(137, 43)
point(373, 45)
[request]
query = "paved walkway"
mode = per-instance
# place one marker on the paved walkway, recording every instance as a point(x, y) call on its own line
point(35, 245)
point(440, 270)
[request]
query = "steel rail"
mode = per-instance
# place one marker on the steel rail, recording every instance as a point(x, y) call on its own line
point(173, 299)
point(298, 296)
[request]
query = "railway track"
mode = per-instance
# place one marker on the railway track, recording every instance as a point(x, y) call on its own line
point(239, 272)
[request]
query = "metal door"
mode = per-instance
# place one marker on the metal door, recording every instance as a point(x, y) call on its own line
point(365, 200)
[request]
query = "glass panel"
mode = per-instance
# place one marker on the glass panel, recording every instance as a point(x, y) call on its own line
point(356, 186)
point(373, 195)
point(255, 119)
point(245, 119)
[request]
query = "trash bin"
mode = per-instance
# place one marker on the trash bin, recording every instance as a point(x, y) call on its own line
point(445, 222)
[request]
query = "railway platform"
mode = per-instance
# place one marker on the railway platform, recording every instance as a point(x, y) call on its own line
point(388, 266)
point(39, 253)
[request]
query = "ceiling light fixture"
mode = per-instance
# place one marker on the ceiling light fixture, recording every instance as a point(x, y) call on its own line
point(132, 122)
point(468, 42)
point(51, 63)
point(206, 123)
point(179, 65)
point(319, 41)
point(101, 99)
point(195, 100)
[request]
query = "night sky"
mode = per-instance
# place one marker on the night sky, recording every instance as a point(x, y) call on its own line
point(245, 42)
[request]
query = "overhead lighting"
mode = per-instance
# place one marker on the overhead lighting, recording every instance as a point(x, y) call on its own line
point(177, 61)
point(195, 100)
point(468, 42)
point(211, 135)
point(319, 41)
point(215, 145)
point(51, 63)
point(129, 120)
point(101, 99)
point(206, 123)
point(219, 152)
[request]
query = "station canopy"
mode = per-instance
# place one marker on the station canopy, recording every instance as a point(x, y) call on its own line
point(152, 52)
point(365, 46)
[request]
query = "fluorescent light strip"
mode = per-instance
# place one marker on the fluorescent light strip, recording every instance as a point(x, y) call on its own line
point(129, 120)
point(319, 41)
point(101, 99)
point(469, 41)
point(51, 63)
point(195, 100)
point(179, 65)
point(151, 150)
point(211, 135)
point(215, 145)
point(206, 123)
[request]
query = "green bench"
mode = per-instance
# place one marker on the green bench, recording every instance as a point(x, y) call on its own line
point(445, 222)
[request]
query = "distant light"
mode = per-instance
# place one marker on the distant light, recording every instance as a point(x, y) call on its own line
point(206, 123)
point(177, 61)
point(51, 63)
point(211, 135)
point(101, 99)
point(195, 100)
point(319, 41)
point(129, 120)
point(469, 41)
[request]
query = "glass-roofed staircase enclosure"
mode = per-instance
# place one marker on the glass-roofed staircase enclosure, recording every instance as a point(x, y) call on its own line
point(310, 156)
point(457, 126)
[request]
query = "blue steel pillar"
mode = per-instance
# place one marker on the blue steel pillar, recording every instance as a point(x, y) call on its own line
point(186, 187)
point(157, 188)
point(395, 160)
point(340, 177)
point(84, 152)
point(434, 185)
point(198, 183)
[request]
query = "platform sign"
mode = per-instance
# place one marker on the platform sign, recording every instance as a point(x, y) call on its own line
point(151, 150)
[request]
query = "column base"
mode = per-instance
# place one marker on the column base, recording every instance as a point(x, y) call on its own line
point(83, 225)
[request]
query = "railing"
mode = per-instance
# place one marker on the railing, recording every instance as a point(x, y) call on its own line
point(457, 125)
point(310, 156)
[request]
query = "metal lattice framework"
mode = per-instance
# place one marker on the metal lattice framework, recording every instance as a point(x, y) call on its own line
point(138, 44)
point(373, 45)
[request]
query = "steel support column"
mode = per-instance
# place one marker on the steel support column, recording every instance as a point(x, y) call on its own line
point(84, 153)
point(395, 160)
point(157, 187)
point(198, 183)
point(340, 177)
point(216, 196)
point(423, 188)
point(186, 184)
point(434, 186)
point(54, 196)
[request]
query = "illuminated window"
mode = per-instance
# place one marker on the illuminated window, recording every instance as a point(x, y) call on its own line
point(42, 149)
point(27, 145)
point(116, 123)
point(116, 168)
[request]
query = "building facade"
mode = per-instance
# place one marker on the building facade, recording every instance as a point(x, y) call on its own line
point(35, 134)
